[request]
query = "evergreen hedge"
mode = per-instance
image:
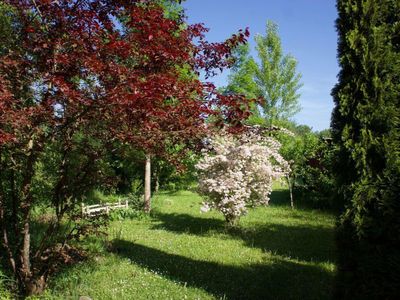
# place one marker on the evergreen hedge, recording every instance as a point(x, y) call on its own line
point(365, 128)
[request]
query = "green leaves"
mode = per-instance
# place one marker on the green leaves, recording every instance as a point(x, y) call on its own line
point(365, 130)
point(272, 77)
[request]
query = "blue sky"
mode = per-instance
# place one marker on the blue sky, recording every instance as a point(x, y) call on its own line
point(307, 31)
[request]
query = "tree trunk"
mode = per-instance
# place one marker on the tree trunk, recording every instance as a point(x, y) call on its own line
point(157, 181)
point(147, 185)
point(25, 251)
point(5, 242)
point(25, 204)
point(35, 286)
point(290, 191)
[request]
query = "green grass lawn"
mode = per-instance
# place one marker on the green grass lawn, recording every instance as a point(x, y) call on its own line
point(180, 253)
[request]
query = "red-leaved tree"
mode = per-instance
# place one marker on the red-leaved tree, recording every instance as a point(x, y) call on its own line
point(166, 103)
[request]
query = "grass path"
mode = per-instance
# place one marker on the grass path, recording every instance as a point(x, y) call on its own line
point(179, 253)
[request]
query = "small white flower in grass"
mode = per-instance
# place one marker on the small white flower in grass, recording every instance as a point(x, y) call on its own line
point(205, 207)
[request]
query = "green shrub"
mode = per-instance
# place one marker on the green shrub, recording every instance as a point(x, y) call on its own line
point(97, 196)
point(310, 155)
point(125, 214)
point(315, 184)
point(5, 282)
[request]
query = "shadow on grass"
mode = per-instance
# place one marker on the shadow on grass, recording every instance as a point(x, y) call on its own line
point(307, 243)
point(185, 223)
point(272, 280)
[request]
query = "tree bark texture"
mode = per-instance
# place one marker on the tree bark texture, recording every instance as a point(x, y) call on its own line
point(147, 185)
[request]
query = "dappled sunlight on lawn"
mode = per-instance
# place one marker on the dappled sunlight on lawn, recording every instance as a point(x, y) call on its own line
point(278, 279)
point(274, 253)
point(290, 253)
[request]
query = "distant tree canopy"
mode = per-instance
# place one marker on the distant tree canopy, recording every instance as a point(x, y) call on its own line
point(365, 127)
point(272, 78)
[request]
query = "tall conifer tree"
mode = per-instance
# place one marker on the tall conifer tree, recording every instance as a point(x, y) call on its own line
point(365, 127)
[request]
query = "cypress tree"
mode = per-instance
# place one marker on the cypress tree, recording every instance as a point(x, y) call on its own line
point(365, 127)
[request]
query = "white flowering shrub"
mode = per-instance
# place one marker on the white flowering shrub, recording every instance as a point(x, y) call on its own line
point(238, 171)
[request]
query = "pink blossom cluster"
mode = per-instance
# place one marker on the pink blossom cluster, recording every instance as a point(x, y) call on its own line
point(237, 171)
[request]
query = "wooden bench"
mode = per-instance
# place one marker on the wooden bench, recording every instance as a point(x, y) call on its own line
point(105, 208)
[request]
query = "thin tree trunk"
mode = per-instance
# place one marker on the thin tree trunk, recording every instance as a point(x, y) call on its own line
point(157, 185)
point(25, 272)
point(5, 241)
point(25, 251)
point(14, 200)
point(147, 184)
point(290, 191)
point(157, 181)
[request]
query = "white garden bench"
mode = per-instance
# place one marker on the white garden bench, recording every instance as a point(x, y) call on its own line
point(104, 208)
